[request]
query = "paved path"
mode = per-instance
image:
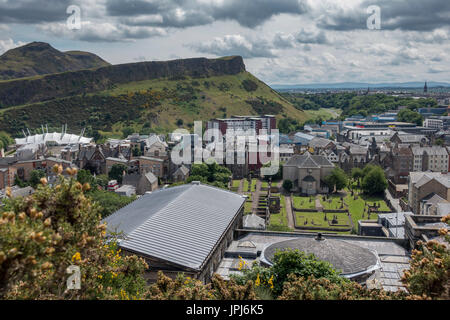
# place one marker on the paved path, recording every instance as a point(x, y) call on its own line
point(289, 212)
point(394, 202)
point(241, 186)
point(255, 196)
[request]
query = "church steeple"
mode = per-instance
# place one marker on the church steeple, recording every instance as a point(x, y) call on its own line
point(425, 88)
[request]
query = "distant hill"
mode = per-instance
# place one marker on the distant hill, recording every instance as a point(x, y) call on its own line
point(142, 97)
point(360, 85)
point(39, 58)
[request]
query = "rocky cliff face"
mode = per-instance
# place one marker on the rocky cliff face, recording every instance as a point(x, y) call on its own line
point(23, 91)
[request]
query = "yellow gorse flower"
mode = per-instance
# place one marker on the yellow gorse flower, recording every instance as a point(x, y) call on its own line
point(257, 281)
point(76, 257)
point(270, 282)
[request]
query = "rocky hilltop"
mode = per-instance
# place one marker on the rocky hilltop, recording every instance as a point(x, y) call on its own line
point(39, 58)
point(48, 87)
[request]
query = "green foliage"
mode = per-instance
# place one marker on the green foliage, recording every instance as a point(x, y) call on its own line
point(287, 185)
point(117, 171)
point(85, 176)
point(406, 115)
point(249, 85)
point(35, 177)
point(43, 234)
point(109, 201)
point(374, 182)
point(212, 174)
point(127, 131)
point(19, 182)
point(352, 104)
point(264, 106)
point(5, 140)
point(336, 180)
point(288, 125)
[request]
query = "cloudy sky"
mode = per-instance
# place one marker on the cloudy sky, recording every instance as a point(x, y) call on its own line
point(282, 41)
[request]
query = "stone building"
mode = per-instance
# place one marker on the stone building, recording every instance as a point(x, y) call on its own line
point(424, 185)
point(307, 172)
point(184, 229)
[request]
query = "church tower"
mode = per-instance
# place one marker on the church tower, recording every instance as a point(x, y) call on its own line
point(425, 88)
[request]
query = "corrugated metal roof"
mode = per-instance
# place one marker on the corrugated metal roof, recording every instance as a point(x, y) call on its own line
point(180, 224)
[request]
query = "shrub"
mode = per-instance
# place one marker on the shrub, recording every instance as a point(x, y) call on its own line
point(43, 234)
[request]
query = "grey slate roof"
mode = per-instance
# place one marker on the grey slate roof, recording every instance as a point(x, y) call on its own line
point(309, 161)
point(181, 225)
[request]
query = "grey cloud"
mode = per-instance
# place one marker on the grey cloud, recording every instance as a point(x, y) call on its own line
point(311, 37)
point(186, 13)
point(36, 11)
point(235, 45)
point(416, 15)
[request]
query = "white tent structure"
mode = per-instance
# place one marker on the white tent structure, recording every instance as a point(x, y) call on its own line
point(62, 138)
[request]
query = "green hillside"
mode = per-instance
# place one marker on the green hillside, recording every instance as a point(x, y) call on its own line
point(39, 58)
point(159, 105)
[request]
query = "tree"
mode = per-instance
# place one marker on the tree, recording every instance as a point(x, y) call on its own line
point(406, 115)
point(287, 185)
point(56, 227)
point(117, 171)
point(213, 174)
point(357, 174)
point(374, 182)
point(127, 131)
point(137, 151)
point(109, 202)
point(85, 176)
point(5, 140)
point(336, 180)
point(35, 177)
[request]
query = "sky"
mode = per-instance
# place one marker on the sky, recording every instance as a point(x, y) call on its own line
point(281, 41)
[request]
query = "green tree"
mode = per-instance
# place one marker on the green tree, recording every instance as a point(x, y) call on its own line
point(374, 182)
point(109, 201)
point(5, 140)
point(117, 171)
point(287, 185)
point(301, 264)
point(85, 176)
point(35, 177)
point(357, 174)
point(406, 115)
point(336, 180)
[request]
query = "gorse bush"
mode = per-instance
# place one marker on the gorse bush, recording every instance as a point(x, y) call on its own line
point(45, 233)
point(57, 227)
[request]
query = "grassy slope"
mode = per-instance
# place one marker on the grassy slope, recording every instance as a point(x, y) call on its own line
point(210, 102)
point(214, 99)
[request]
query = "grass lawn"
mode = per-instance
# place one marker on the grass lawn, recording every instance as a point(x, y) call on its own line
point(357, 207)
point(245, 186)
point(265, 184)
point(335, 202)
point(279, 219)
point(319, 221)
point(248, 207)
point(236, 183)
point(304, 202)
point(253, 185)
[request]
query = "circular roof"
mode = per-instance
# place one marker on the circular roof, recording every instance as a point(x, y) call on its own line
point(345, 256)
